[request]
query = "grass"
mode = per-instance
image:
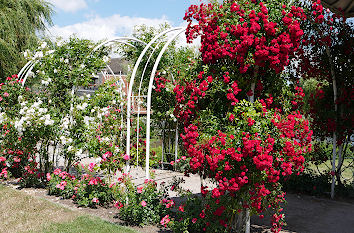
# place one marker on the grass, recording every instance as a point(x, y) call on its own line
point(84, 224)
point(347, 174)
point(20, 212)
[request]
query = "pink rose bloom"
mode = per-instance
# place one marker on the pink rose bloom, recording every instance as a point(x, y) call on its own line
point(194, 220)
point(93, 182)
point(143, 203)
point(126, 157)
point(6, 94)
point(91, 166)
point(95, 200)
point(61, 185)
point(111, 185)
point(140, 189)
point(170, 204)
point(165, 220)
point(4, 172)
point(17, 159)
point(118, 205)
point(48, 177)
point(2, 159)
point(57, 171)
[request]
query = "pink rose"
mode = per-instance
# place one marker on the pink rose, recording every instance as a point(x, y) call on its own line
point(165, 220)
point(48, 177)
point(126, 157)
point(140, 189)
point(143, 203)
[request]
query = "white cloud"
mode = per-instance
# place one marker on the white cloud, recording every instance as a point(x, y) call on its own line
point(99, 28)
point(69, 5)
point(103, 28)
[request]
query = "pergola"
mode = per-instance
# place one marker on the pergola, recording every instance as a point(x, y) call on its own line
point(341, 6)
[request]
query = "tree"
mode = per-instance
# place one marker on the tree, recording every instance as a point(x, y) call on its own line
point(20, 20)
point(326, 55)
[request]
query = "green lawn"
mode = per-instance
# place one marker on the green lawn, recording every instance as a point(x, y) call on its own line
point(347, 174)
point(20, 212)
point(84, 224)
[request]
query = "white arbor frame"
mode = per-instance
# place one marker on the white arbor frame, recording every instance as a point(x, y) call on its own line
point(178, 31)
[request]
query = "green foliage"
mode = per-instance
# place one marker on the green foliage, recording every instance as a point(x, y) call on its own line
point(20, 21)
point(86, 191)
point(139, 205)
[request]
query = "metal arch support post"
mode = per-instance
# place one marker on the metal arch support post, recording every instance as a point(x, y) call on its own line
point(139, 95)
point(28, 64)
point(148, 120)
point(131, 83)
point(28, 72)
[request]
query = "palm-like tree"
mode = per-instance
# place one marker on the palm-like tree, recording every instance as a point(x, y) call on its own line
point(20, 23)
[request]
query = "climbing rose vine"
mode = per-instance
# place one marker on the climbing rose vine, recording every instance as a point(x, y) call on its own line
point(243, 146)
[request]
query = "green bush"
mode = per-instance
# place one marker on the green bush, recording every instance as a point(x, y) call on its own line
point(139, 205)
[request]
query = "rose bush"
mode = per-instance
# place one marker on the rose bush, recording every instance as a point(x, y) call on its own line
point(243, 146)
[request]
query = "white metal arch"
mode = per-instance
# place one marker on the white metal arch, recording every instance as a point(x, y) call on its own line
point(152, 76)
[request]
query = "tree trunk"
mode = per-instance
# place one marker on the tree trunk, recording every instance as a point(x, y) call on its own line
point(241, 222)
point(334, 139)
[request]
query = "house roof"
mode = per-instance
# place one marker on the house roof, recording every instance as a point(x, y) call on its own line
point(118, 66)
point(341, 6)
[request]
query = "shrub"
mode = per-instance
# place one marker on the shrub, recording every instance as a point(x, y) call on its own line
point(139, 205)
point(88, 191)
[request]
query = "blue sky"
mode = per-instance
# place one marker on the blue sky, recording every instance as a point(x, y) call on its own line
point(100, 19)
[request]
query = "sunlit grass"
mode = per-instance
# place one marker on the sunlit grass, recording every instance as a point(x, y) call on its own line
point(20, 212)
point(325, 167)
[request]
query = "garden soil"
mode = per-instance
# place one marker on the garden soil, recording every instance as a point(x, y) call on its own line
point(304, 214)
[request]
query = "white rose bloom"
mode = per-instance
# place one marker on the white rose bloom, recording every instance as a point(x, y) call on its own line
point(70, 148)
point(63, 140)
point(98, 160)
point(38, 55)
point(43, 45)
point(66, 61)
point(31, 111)
point(50, 51)
point(48, 121)
point(60, 43)
point(82, 66)
point(55, 71)
point(78, 153)
point(45, 83)
point(2, 117)
point(105, 59)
